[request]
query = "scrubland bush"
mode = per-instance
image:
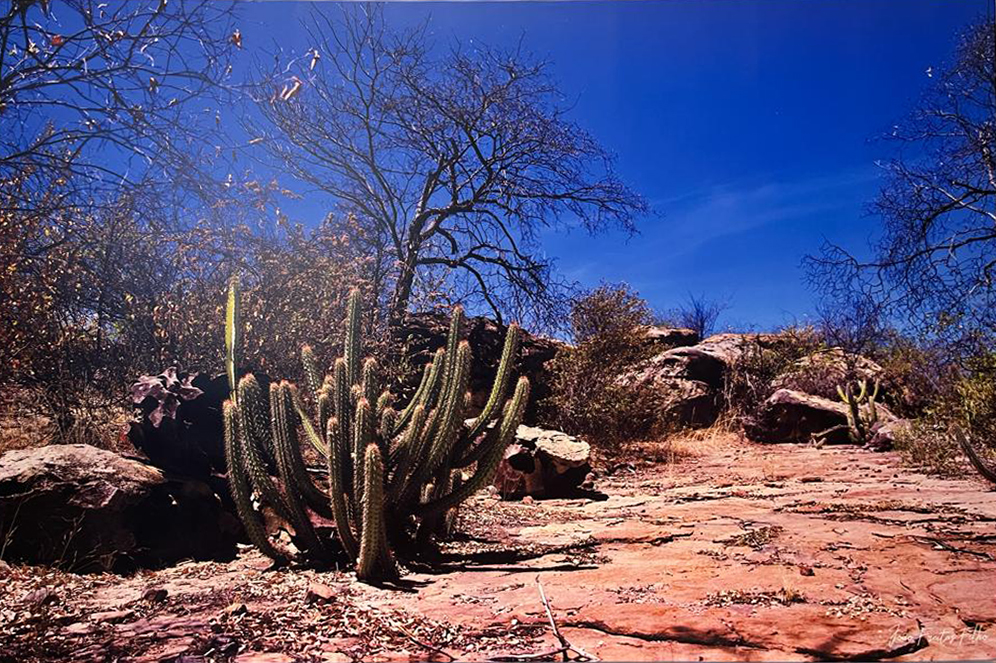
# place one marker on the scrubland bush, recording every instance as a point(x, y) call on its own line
point(751, 378)
point(587, 398)
point(87, 311)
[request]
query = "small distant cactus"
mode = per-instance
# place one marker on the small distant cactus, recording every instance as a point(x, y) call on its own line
point(862, 413)
point(395, 476)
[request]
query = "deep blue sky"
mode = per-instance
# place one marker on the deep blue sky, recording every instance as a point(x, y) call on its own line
point(749, 124)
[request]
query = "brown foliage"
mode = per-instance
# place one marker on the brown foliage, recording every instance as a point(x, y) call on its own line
point(587, 398)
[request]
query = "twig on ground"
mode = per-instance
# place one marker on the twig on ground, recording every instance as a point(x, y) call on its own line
point(425, 645)
point(564, 650)
point(553, 622)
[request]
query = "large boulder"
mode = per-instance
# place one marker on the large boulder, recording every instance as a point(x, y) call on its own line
point(424, 333)
point(794, 416)
point(665, 338)
point(88, 509)
point(690, 380)
point(543, 463)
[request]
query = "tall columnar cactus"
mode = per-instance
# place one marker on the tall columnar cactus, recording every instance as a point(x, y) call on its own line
point(395, 475)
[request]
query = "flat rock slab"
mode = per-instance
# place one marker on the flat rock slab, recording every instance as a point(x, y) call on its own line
point(735, 554)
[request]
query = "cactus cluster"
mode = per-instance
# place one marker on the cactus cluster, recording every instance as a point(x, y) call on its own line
point(395, 475)
point(859, 421)
point(862, 413)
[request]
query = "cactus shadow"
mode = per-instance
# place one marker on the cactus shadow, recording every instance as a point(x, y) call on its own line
point(506, 560)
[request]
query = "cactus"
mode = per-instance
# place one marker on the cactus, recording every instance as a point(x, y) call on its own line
point(862, 413)
point(395, 474)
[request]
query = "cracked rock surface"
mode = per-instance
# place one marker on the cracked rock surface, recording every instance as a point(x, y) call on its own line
point(742, 552)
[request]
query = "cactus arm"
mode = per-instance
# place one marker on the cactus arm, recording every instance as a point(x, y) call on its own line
point(500, 385)
point(288, 455)
point(473, 454)
point(254, 437)
point(370, 385)
point(403, 455)
point(344, 417)
point(324, 411)
point(374, 561)
point(233, 324)
point(439, 438)
point(451, 419)
point(310, 432)
point(362, 437)
point(312, 374)
point(313, 496)
point(488, 465)
point(337, 493)
point(238, 482)
point(352, 341)
point(406, 413)
point(425, 396)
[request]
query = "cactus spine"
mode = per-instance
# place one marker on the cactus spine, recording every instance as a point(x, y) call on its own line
point(393, 474)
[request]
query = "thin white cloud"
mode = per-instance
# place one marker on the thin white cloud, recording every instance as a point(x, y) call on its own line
point(708, 214)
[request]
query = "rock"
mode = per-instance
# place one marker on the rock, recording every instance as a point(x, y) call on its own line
point(112, 616)
point(543, 463)
point(821, 372)
point(792, 416)
point(41, 597)
point(424, 333)
point(88, 509)
point(689, 381)
point(155, 594)
point(884, 434)
point(319, 593)
point(191, 443)
point(670, 337)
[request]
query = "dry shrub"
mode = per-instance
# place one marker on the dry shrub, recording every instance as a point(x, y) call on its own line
point(91, 305)
point(750, 379)
point(965, 398)
point(587, 399)
point(293, 291)
point(928, 445)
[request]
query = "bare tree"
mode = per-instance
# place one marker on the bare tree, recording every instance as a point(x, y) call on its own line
point(699, 313)
point(106, 110)
point(934, 265)
point(451, 160)
point(96, 98)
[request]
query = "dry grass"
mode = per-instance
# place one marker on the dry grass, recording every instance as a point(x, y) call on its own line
point(24, 427)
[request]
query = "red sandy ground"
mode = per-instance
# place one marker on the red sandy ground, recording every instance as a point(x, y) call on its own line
point(742, 552)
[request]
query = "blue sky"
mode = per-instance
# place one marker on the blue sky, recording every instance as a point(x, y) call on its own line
point(750, 125)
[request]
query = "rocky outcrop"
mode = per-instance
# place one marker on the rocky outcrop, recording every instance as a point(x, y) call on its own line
point(665, 338)
point(545, 463)
point(424, 333)
point(794, 416)
point(690, 380)
point(88, 509)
